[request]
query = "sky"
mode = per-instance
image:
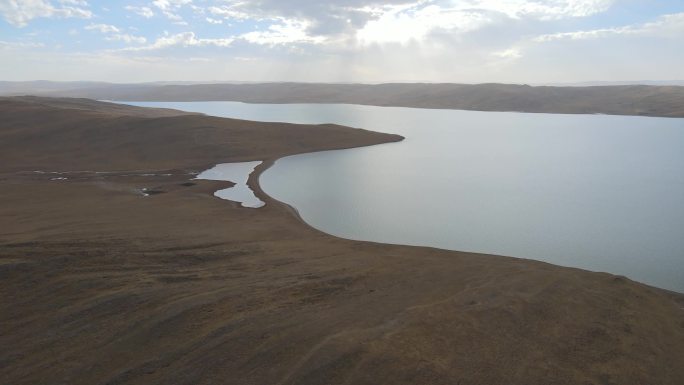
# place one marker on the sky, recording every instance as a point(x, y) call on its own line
point(371, 41)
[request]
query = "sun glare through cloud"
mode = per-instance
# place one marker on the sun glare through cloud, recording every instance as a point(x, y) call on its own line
point(370, 40)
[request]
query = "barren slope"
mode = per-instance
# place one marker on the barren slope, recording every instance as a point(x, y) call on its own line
point(100, 285)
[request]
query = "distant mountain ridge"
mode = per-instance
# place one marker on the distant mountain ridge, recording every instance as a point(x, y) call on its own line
point(617, 83)
point(643, 100)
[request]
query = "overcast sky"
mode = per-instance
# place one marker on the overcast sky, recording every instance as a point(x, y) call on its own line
point(471, 41)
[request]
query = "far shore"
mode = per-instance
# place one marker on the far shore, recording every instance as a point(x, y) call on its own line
point(636, 99)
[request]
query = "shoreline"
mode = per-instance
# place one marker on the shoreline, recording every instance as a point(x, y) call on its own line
point(253, 183)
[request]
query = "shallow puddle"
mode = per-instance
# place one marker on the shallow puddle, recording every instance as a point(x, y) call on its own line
point(237, 173)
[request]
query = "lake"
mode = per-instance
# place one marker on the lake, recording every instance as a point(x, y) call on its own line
point(603, 193)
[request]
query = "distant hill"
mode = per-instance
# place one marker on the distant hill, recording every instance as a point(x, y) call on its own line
point(618, 83)
point(646, 100)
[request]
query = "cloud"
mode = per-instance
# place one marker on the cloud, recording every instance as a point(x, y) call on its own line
point(102, 28)
point(145, 12)
point(184, 39)
point(115, 34)
point(213, 21)
point(167, 5)
point(326, 18)
point(82, 3)
point(540, 9)
point(20, 12)
point(417, 20)
point(665, 26)
point(170, 8)
point(228, 12)
point(10, 45)
point(127, 38)
point(511, 54)
point(323, 18)
point(366, 40)
point(286, 32)
point(402, 24)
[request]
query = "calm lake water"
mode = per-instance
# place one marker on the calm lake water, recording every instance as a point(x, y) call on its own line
point(604, 193)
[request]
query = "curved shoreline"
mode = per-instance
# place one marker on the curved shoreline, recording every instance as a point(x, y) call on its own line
point(253, 183)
